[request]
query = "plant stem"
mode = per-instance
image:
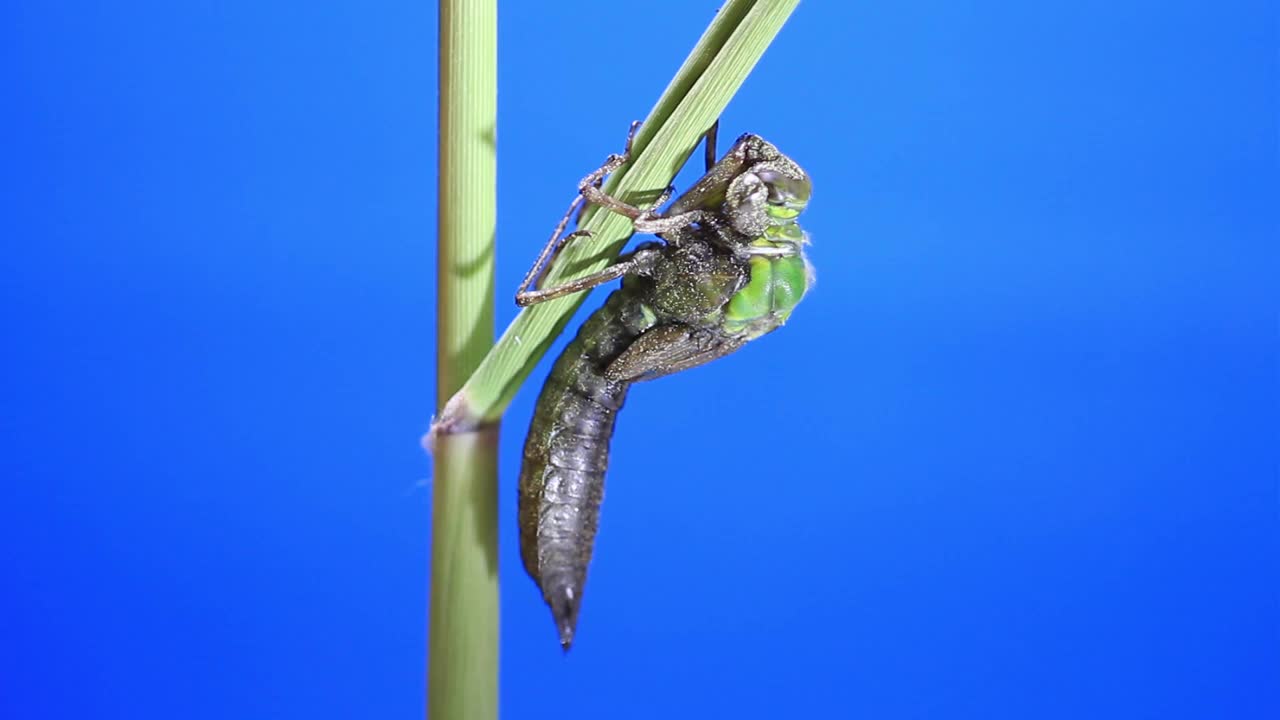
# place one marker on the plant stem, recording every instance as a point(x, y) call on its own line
point(712, 73)
point(462, 679)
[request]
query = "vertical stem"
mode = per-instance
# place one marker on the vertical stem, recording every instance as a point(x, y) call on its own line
point(462, 678)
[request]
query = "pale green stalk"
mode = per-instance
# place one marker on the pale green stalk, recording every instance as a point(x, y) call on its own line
point(462, 678)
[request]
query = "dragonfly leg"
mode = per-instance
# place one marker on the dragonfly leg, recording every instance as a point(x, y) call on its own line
point(551, 249)
point(595, 196)
point(589, 186)
point(651, 223)
point(647, 221)
point(525, 298)
point(709, 145)
point(639, 261)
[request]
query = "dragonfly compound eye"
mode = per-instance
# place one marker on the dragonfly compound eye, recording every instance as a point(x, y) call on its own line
point(787, 195)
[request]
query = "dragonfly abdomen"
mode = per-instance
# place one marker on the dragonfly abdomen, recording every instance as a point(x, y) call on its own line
point(566, 455)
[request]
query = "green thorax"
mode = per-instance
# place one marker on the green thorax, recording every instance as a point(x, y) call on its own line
point(775, 285)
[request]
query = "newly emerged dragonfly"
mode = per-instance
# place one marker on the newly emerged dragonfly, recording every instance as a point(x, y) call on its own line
point(730, 269)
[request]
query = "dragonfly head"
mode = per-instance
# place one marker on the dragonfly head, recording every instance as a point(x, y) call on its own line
point(770, 193)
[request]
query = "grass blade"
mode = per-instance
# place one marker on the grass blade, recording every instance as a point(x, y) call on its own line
point(713, 72)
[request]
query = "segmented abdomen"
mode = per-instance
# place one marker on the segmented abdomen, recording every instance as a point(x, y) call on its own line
point(566, 454)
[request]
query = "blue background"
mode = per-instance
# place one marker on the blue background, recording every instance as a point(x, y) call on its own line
point(1017, 451)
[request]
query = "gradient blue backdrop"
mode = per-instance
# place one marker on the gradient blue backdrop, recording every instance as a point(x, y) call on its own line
point(1018, 446)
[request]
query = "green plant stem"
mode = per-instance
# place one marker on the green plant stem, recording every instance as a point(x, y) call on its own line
point(462, 679)
point(718, 65)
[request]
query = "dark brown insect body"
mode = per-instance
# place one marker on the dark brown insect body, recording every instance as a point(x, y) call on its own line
point(731, 270)
point(655, 324)
point(565, 458)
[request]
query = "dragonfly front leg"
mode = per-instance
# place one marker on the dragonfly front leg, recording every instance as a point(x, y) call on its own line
point(650, 222)
point(589, 186)
point(646, 221)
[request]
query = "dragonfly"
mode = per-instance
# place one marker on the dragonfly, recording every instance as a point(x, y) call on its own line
point(729, 268)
